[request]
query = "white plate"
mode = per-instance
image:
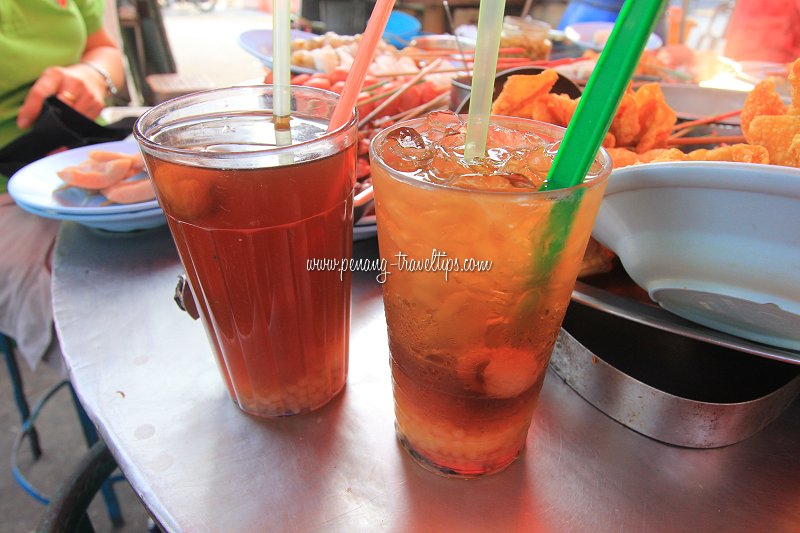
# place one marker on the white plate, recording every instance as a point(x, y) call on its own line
point(582, 34)
point(692, 102)
point(117, 222)
point(715, 243)
point(761, 70)
point(35, 185)
point(258, 43)
point(152, 218)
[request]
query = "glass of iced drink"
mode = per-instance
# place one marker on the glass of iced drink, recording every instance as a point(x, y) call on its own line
point(246, 215)
point(481, 266)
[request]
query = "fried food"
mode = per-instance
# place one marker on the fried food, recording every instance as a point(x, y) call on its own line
point(625, 126)
point(596, 260)
point(794, 149)
point(641, 129)
point(541, 112)
point(739, 153)
point(622, 157)
point(762, 100)
point(530, 97)
point(794, 81)
point(521, 91)
point(659, 155)
point(656, 118)
point(561, 107)
point(778, 134)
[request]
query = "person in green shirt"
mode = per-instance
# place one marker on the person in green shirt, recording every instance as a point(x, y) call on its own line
point(53, 47)
point(47, 47)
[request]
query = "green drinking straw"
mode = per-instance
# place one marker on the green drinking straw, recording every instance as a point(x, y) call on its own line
point(490, 24)
point(603, 92)
point(592, 118)
point(281, 71)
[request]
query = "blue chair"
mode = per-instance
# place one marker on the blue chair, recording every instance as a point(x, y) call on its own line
point(590, 11)
point(28, 417)
point(401, 28)
point(19, 393)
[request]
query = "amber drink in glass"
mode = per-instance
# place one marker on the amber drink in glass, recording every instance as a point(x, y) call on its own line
point(471, 338)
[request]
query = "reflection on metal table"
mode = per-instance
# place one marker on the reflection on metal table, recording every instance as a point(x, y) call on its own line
point(146, 376)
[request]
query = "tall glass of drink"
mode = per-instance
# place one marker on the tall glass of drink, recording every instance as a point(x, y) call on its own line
point(481, 266)
point(246, 213)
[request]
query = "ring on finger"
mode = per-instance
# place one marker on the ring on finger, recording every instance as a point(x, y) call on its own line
point(66, 95)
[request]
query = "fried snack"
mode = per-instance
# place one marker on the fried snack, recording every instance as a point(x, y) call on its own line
point(659, 155)
point(541, 111)
point(561, 107)
point(794, 149)
point(625, 126)
point(794, 80)
point(622, 157)
point(762, 100)
point(738, 153)
point(656, 118)
point(777, 133)
point(521, 91)
point(596, 260)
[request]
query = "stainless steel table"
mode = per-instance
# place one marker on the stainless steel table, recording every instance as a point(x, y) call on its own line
point(145, 374)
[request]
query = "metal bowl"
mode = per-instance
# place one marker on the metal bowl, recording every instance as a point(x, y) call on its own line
point(460, 88)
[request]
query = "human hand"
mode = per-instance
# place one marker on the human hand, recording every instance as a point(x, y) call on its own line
point(78, 86)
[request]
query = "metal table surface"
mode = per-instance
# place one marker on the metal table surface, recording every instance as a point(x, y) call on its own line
point(145, 374)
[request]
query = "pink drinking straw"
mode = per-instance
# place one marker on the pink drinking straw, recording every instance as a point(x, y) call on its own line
point(364, 54)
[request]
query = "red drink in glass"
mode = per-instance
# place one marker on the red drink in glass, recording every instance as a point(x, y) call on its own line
point(246, 216)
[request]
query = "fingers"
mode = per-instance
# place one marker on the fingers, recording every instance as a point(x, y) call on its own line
point(71, 86)
point(66, 96)
point(47, 84)
point(86, 103)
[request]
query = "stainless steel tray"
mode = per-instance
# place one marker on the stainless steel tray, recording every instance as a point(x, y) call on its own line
point(654, 316)
point(667, 378)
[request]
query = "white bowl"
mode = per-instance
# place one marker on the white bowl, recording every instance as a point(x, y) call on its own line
point(715, 243)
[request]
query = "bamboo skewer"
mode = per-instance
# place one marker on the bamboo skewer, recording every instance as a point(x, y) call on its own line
point(381, 96)
point(543, 64)
point(416, 111)
point(448, 70)
point(425, 71)
point(447, 53)
point(374, 86)
point(681, 133)
point(706, 120)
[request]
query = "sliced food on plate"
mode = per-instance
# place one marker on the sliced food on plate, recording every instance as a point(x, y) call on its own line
point(120, 177)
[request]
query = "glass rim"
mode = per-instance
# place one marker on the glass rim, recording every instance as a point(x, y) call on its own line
point(147, 144)
point(603, 157)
